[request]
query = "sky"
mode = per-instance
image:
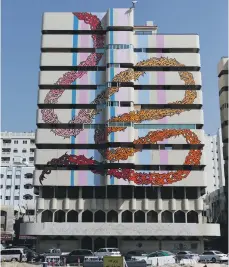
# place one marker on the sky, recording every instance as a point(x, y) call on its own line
point(21, 39)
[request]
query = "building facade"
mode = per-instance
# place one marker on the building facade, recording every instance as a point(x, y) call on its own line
point(223, 99)
point(7, 223)
point(214, 161)
point(17, 167)
point(119, 145)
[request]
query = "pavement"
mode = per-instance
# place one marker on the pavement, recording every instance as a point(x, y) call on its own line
point(23, 264)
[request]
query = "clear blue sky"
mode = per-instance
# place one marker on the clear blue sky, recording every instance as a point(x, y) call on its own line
point(21, 38)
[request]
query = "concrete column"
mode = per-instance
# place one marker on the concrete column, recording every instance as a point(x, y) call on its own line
point(159, 216)
point(80, 216)
point(119, 216)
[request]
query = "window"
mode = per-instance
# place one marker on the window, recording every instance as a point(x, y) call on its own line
point(30, 212)
point(119, 46)
point(16, 198)
point(24, 141)
point(7, 197)
point(32, 150)
point(9, 176)
point(32, 141)
point(15, 141)
point(15, 150)
point(28, 175)
point(24, 150)
point(27, 197)
point(5, 159)
point(1, 185)
point(2, 175)
point(31, 159)
point(8, 186)
point(99, 50)
point(113, 65)
point(6, 141)
point(17, 186)
point(28, 186)
point(18, 176)
point(6, 150)
point(143, 32)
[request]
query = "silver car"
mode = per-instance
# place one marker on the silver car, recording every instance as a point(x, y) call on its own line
point(187, 255)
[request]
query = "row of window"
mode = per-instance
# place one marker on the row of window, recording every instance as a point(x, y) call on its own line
point(7, 159)
point(9, 176)
point(119, 46)
point(7, 150)
point(127, 216)
point(26, 197)
point(123, 192)
point(26, 186)
point(9, 141)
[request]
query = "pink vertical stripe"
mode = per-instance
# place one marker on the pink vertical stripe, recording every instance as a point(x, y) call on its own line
point(161, 96)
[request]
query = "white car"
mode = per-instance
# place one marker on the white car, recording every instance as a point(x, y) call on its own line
point(213, 256)
point(107, 252)
point(13, 254)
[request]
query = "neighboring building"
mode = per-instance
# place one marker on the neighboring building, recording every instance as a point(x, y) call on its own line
point(7, 223)
point(223, 99)
point(17, 167)
point(116, 165)
point(214, 161)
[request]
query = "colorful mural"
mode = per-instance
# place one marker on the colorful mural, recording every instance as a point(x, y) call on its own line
point(86, 116)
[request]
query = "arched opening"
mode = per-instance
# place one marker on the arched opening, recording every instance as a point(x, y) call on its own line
point(86, 243)
point(99, 243)
point(87, 216)
point(179, 217)
point(112, 216)
point(139, 216)
point(47, 216)
point(100, 216)
point(59, 216)
point(152, 217)
point(192, 217)
point(112, 242)
point(166, 217)
point(127, 216)
point(72, 216)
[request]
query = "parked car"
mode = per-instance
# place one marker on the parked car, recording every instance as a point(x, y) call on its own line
point(76, 255)
point(187, 255)
point(160, 253)
point(134, 253)
point(13, 254)
point(107, 252)
point(213, 256)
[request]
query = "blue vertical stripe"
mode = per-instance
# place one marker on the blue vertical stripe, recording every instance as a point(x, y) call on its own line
point(112, 109)
point(74, 63)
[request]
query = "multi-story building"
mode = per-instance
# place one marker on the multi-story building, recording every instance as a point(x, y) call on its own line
point(119, 145)
point(17, 167)
point(214, 161)
point(7, 223)
point(223, 99)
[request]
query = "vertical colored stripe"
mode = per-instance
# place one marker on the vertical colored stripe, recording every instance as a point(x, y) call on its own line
point(74, 62)
point(161, 95)
point(112, 109)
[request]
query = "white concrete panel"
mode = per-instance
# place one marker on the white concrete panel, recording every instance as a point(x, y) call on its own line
point(57, 41)
point(122, 17)
point(119, 37)
point(58, 21)
point(66, 59)
point(187, 59)
point(223, 64)
point(163, 96)
point(120, 56)
point(51, 77)
point(170, 41)
point(121, 229)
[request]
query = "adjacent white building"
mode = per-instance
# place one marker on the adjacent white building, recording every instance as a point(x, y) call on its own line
point(17, 167)
point(214, 161)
